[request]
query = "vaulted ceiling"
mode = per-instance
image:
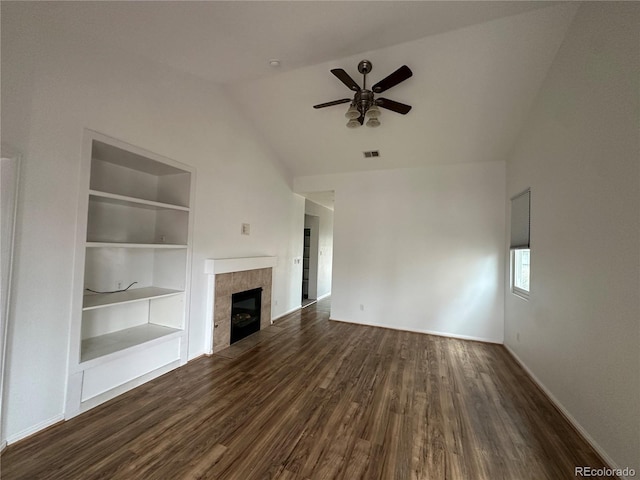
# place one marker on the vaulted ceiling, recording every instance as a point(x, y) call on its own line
point(477, 68)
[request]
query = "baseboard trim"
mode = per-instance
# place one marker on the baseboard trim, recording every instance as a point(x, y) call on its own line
point(34, 429)
point(95, 401)
point(294, 309)
point(565, 413)
point(298, 307)
point(426, 332)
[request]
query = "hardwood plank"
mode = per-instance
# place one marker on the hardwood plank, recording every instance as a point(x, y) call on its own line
point(311, 399)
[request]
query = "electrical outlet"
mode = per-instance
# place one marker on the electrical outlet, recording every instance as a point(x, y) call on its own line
point(246, 229)
point(518, 336)
point(361, 307)
point(119, 285)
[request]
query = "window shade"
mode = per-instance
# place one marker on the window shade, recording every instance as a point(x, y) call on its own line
point(520, 221)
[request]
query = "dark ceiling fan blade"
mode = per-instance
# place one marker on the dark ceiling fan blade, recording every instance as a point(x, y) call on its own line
point(400, 75)
point(393, 106)
point(346, 79)
point(331, 104)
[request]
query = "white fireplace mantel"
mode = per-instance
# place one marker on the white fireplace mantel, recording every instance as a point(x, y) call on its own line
point(214, 266)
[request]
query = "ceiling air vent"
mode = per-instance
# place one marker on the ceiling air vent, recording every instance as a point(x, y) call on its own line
point(371, 153)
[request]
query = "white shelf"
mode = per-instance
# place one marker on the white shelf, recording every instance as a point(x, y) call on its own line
point(116, 199)
point(133, 245)
point(92, 301)
point(103, 345)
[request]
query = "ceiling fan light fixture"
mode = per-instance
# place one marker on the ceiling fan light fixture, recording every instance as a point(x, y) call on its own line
point(352, 112)
point(373, 122)
point(365, 105)
point(373, 112)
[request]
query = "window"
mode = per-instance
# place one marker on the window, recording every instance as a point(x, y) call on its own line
point(520, 244)
point(520, 273)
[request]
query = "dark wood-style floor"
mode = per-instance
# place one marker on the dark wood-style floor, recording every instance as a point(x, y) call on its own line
point(313, 399)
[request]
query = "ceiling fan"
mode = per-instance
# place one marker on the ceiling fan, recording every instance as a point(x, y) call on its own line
point(364, 103)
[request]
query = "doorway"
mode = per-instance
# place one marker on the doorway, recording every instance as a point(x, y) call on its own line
point(310, 260)
point(9, 173)
point(317, 247)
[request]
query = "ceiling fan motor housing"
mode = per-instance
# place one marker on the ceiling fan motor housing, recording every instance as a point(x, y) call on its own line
point(363, 100)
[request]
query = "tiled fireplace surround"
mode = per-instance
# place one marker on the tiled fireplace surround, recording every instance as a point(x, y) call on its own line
point(233, 276)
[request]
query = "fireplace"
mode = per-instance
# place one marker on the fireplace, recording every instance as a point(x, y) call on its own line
point(245, 313)
point(228, 276)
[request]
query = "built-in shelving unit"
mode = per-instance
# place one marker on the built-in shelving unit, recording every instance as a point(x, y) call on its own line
point(134, 255)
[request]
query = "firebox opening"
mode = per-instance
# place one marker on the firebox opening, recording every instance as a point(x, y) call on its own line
point(245, 313)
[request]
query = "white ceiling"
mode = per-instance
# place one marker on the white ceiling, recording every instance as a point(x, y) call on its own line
point(477, 67)
point(228, 41)
point(471, 91)
point(326, 199)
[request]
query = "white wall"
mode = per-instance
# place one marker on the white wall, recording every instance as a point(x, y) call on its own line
point(419, 249)
point(579, 333)
point(53, 88)
point(325, 246)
